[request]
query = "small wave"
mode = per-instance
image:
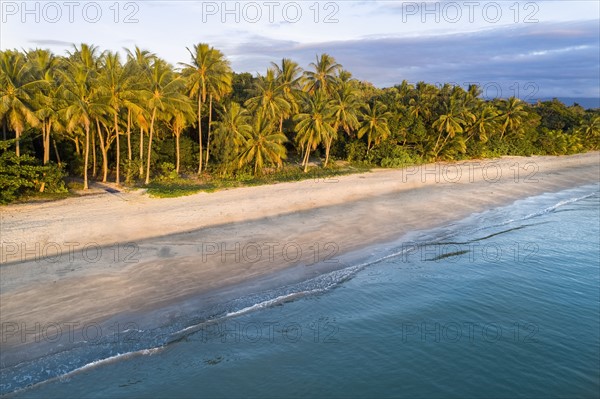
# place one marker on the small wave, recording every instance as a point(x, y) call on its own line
point(557, 205)
point(266, 304)
point(314, 286)
point(542, 212)
point(96, 363)
point(112, 359)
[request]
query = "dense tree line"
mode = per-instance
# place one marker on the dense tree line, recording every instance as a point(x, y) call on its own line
point(107, 117)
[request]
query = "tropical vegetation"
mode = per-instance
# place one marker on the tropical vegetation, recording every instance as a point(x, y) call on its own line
point(138, 120)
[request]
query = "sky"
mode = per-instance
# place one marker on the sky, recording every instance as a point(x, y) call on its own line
point(530, 49)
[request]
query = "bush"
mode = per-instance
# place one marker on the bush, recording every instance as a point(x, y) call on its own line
point(390, 155)
point(356, 151)
point(23, 175)
point(131, 168)
point(167, 172)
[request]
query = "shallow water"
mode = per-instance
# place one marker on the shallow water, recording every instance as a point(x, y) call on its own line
point(502, 304)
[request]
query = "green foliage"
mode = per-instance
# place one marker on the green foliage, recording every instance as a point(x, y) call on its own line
point(242, 87)
point(557, 142)
point(387, 154)
point(175, 188)
point(167, 172)
point(356, 151)
point(188, 153)
point(131, 169)
point(53, 176)
point(20, 176)
point(557, 116)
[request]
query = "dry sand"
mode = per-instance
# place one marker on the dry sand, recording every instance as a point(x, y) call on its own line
point(182, 247)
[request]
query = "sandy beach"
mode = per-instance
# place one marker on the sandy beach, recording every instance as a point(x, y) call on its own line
point(100, 257)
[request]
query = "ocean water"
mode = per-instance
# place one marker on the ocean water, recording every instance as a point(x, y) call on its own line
point(505, 303)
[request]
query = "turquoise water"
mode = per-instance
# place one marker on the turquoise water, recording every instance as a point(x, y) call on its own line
point(505, 303)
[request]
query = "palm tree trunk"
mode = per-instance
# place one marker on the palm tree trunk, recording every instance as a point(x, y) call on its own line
point(18, 137)
point(504, 126)
point(44, 161)
point(77, 146)
point(104, 151)
point(443, 144)
point(56, 152)
point(129, 155)
point(177, 152)
point(200, 131)
point(141, 152)
point(435, 148)
point(281, 124)
point(117, 178)
point(46, 141)
point(47, 146)
point(86, 156)
point(150, 147)
point(94, 160)
point(209, 123)
point(327, 149)
point(306, 157)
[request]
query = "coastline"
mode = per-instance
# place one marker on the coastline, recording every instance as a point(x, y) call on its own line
point(209, 245)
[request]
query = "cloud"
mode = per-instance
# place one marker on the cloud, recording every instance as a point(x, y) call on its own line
point(560, 59)
point(49, 42)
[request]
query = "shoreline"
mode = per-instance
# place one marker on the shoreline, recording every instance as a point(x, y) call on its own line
point(202, 257)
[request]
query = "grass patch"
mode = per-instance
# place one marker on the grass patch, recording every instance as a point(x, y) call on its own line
point(43, 197)
point(178, 188)
point(296, 173)
point(75, 185)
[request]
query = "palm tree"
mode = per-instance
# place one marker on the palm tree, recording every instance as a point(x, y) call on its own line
point(345, 113)
point(484, 123)
point(404, 90)
point(178, 119)
point(140, 61)
point(288, 77)
point(165, 96)
point(116, 88)
point(323, 77)
point(208, 69)
point(510, 115)
point(262, 145)
point(451, 123)
point(16, 93)
point(590, 129)
point(44, 67)
point(231, 131)
point(374, 123)
point(269, 99)
point(217, 89)
point(81, 97)
point(314, 125)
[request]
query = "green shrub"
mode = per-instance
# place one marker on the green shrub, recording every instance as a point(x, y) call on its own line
point(167, 171)
point(356, 151)
point(131, 168)
point(391, 155)
point(23, 175)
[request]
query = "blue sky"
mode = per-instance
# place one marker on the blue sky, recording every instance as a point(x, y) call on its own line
point(528, 48)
